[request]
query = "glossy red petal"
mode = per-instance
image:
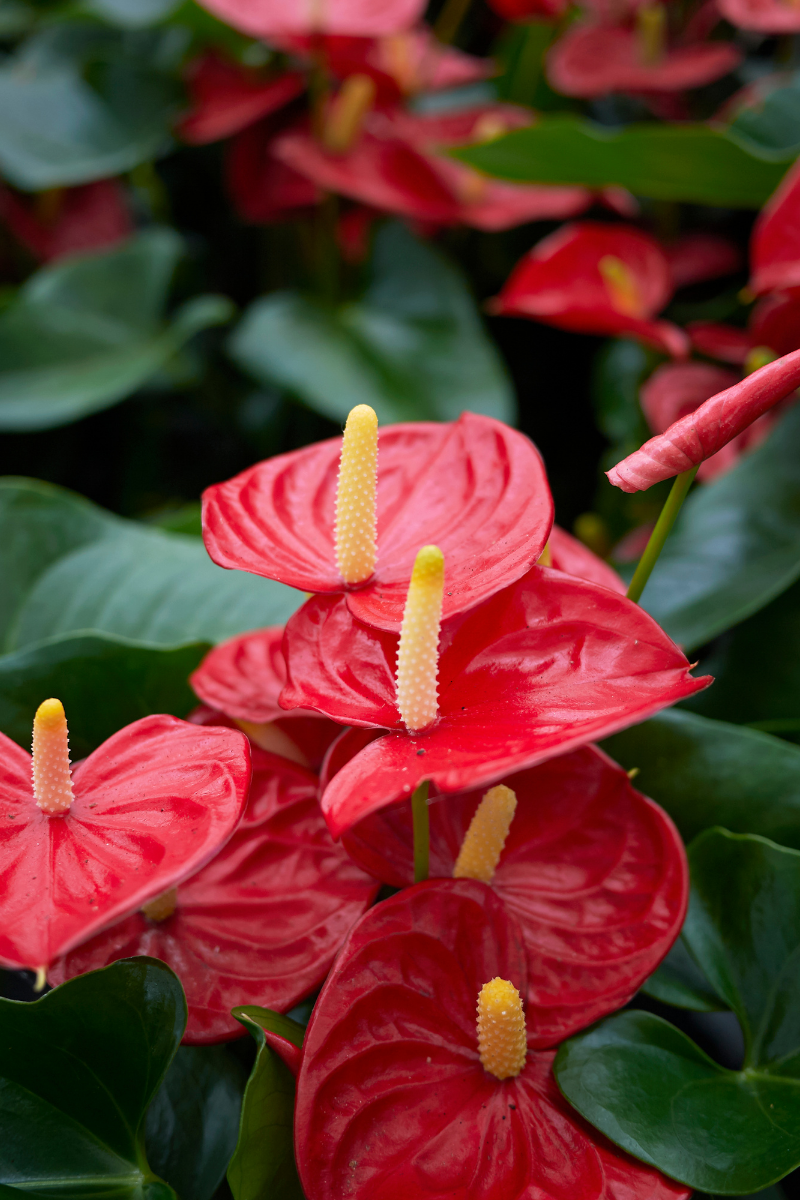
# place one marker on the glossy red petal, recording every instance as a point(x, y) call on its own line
point(262, 188)
point(725, 342)
point(402, 64)
point(278, 18)
point(392, 1100)
point(560, 282)
point(540, 668)
point(226, 97)
point(775, 244)
point(493, 205)
point(594, 874)
point(243, 677)
point(775, 323)
point(152, 805)
point(696, 257)
point(89, 217)
point(592, 60)
point(524, 10)
point(704, 432)
point(474, 487)
point(571, 556)
point(261, 923)
point(765, 16)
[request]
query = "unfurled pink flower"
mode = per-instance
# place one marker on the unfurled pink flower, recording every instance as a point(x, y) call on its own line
point(595, 278)
point(65, 221)
point(696, 437)
point(279, 18)
point(775, 244)
point(226, 97)
point(764, 16)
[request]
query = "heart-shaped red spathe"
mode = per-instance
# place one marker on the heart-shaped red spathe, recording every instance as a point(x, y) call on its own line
point(226, 97)
point(392, 1099)
point(261, 923)
point(571, 556)
point(475, 488)
point(151, 805)
point(594, 874)
point(550, 663)
point(775, 242)
point(278, 18)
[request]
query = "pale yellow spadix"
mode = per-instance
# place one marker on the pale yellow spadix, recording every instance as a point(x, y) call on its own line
point(418, 652)
point(356, 497)
point(621, 285)
point(346, 113)
point(52, 782)
point(502, 1040)
point(484, 840)
point(161, 907)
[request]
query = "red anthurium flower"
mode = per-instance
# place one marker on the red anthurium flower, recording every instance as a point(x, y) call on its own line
point(525, 10)
point(775, 244)
point(593, 873)
point(696, 257)
point(67, 220)
point(476, 486)
point(226, 97)
point(596, 278)
point(261, 923)
point(540, 668)
point(242, 679)
point(402, 1093)
point(774, 325)
point(281, 18)
point(765, 16)
point(262, 188)
point(705, 431)
point(145, 810)
point(571, 556)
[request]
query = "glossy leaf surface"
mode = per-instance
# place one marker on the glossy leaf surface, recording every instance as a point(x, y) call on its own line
point(263, 1164)
point(593, 873)
point(73, 341)
point(262, 921)
point(475, 488)
point(70, 566)
point(693, 163)
point(392, 1099)
point(77, 1070)
point(413, 347)
point(680, 982)
point(512, 690)
point(720, 1130)
point(190, 1130)
point(151, 805)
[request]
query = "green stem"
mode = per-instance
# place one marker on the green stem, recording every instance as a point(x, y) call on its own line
point(449, 20)
point(666, 520)
point(422, 832)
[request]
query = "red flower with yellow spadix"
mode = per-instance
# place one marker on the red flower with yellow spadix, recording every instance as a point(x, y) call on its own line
point(80, 848)
point(540, 668)
point(593, 873)
point(259, 924)
point(349, 514)
point(420, 1074)
point(596, 278)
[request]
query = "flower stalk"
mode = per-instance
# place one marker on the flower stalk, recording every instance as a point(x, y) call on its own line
point(669, 513)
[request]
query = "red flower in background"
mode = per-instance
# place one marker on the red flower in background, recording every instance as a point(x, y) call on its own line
point(393, 1099)
point(150, 806)
point(475, 487)
point(774, 325)
point(279, 18)
point(261, 923)
point(596, 278)
point(262, 188)
point(525, 10)
point(540, 668)
point(569, 555)
point(593, 873)
point(775, 244)
point(65, 221)
point(764, 16)
point(696, 257)
point(226, 97)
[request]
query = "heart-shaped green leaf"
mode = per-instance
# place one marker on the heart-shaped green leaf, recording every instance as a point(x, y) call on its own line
point(78, 1069)
point(654, 1092)
point(696, 163)
point(680, 982)
point(191, 1126)
point(264, 1164)
point(413, 348)
point(707, 773)
point(87, 332)
point(772, 122)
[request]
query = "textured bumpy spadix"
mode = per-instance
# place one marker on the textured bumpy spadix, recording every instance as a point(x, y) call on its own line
point(484, 840)
point(162, 906)
point(52, 781)
point(355, 533)
point(621, 286)
point(418, 651)
point(502, 1039)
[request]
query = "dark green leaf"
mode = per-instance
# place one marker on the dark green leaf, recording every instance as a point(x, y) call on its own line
point(104, 682)
point(621, 368)
point(707, 773)
point(680, 982)
point(652, 1091)
point(736, 544)
point(263, 1164)
point(78, 1069)
point(773, 122)
point(68, 566)
point(131, 14)
point(191, 1127)
point(413, 348)
point(87, 332)
point(698, 164)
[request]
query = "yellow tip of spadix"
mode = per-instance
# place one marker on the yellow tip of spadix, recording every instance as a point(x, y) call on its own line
point(418, 651)
point(502, 1038)
point(52, 781)
point(621, 286)
point(484, 840)
point(356, 497)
